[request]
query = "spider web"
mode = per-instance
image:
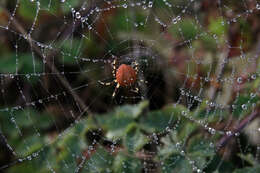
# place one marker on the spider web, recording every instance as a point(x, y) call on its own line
point(191, 53)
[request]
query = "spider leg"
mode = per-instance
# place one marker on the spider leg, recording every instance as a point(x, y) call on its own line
point(106, 83)
point(136, 67)
point(136, 90)
point(143, 81)
point(114, 93)
point(114, 68)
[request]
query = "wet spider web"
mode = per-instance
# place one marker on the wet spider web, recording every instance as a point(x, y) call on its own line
point(191, 53)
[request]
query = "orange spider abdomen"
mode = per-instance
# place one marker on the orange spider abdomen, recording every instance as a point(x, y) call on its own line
point(125, 75)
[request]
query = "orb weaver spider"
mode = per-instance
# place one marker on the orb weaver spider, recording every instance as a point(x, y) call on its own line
point(124, 76)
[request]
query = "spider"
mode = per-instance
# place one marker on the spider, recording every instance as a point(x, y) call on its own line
point(124, 76)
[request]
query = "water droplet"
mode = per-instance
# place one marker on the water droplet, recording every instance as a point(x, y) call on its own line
point(11, 76)
point(184, 113)
point(252, 95)
point(213, 131)
point(229, 133)
point(176, 19)
point(237, 134)
point(244, 106)
point(211, 104)
point(150, 4)
point(257, 6)
point(178, 145)
point(239, 80)
point(29, 157)
point(78, 16)
point(253, 76)
point(97, 9)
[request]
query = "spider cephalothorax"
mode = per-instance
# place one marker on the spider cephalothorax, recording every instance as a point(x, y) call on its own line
point(125, 76)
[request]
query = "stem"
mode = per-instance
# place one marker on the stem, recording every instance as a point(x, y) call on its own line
point(224, 140)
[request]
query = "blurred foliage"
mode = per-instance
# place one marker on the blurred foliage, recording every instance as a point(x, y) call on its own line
point(130, 129)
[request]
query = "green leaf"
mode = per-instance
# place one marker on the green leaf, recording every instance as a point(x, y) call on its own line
point(28, 117)
point(24, 167)
point(126, 164)
point(157, 121)
point(69, 144)
point(248, 158)
point(119, 23)
point(134, 139)
point(135, 110)
point(71, 49)
point(188, 28)
point(66, 7)
point(209, 42)
point(218, 26)
point(248, 170)
point(67, 149)
point(29, 64)
point(100, 161)
point(29, 145)
point(116, 122)
point(199, 146)
point(27, 9)
point(8, 64)
point(186, 129)
point(243, 104)
point(224, 167)
point(25, 64)
point(200, 150)
point(168, 148)
point(176, 163)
